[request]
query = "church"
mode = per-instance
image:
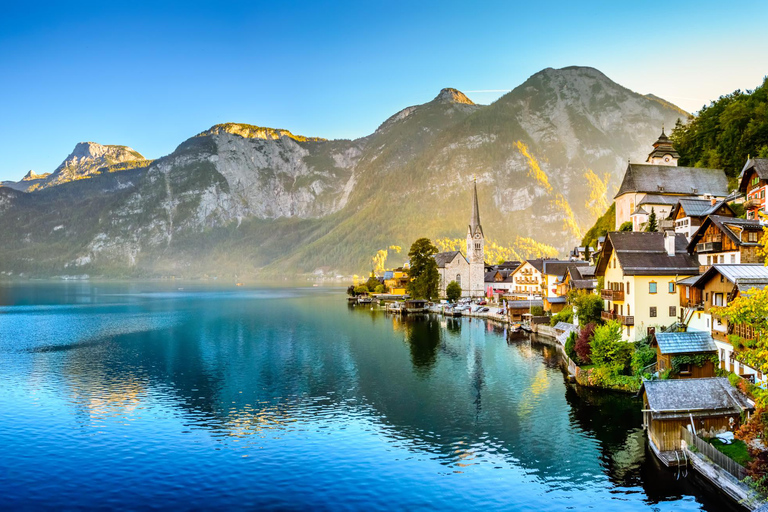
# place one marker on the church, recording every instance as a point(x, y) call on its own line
point(468, 271)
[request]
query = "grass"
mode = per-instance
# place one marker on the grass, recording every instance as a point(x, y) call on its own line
point(737, 450)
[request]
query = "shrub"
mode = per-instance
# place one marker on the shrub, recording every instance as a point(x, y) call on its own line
point(361, 289)
point(569, 346)
point(589, 306)
point(379, 289)
point(608, 350)
point(566, 315)
point(626, 226)
point(644, 355)
point(453, 291)
point(537, 311)
point(583, 348)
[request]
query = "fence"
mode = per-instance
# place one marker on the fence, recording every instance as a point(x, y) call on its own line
point(715, 455)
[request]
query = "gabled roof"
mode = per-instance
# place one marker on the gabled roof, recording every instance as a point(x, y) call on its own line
point(584, 284)
point(673, 398)
point(689, 342)
point(726, 225)
point(538, 264)
point(443, 258)
point(698, 207)
point(744, 276)
point(759, 165)
point(559, 267)
point(643, 254)
point(670, 179)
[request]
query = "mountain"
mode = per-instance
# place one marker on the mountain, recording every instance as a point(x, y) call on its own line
point(245, 200)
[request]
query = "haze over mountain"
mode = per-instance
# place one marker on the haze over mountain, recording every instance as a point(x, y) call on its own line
point(244, 200)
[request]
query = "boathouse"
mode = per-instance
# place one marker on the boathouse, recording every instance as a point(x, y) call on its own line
point(691, 354)
point(709, 405)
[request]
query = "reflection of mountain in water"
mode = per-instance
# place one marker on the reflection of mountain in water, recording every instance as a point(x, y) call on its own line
point(453, 389)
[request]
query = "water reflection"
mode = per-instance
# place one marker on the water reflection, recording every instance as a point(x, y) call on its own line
point(326, 390)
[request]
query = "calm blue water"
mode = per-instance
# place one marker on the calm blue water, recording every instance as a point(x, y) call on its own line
point(145, 396)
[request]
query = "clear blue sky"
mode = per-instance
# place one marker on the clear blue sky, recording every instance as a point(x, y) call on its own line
point(149, 75)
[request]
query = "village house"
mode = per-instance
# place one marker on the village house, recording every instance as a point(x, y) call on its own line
point(497, 281)
point(718, 286)
point(577, 278)
point(640, 272)
point(527, 279)
point(753, 183)
point(664, 182)
point(726, 240)
point(679, 352)
point(552, 272)
point(688, 214)
point(396, 280)
point(710, 405)
point(582, 253)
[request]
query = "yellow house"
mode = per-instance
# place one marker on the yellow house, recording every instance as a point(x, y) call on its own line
point(640, 271)
point(397, 281)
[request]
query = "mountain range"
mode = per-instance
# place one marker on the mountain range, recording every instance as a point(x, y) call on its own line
point(246, 201)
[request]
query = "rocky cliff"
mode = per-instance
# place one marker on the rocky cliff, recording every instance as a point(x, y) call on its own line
point(239, 199)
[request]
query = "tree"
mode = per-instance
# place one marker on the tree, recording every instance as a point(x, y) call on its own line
point(351, 291)
point(423, 274)
point(453, 291)
point(361, 289)
point(372, 283)
point(379, 289)
point(607, 349)
point(626, 226)
point(588, 308)
point(583, 348)
point(750, 309)
point(652, 225)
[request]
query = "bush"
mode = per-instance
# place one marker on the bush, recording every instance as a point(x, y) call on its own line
point(608, 350)
point(379, 289)
point(583, 348)
point(570, 343)
point(566, 315)
point(361, 289)
point(643, 356)
point(537, 311)
point(626, 226)
point(589, 306)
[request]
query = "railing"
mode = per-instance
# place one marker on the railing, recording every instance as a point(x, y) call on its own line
point(691, 304)
point(728, 464)
point(623, 320)
point(614, 295)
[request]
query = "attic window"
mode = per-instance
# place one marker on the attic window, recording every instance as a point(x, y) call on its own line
point(661, 189)
point(694, 190)
point(753, 236)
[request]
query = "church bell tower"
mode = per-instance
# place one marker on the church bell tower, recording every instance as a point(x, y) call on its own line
point(476, 250)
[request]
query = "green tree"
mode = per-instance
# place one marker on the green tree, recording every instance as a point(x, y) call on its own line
point(626, 226)
point(565, 315)
point(652, 225)
point(379, 289)
point(453, 291)
point(588, 308)
point(607, 349)
point(361, 289)
point(372, 283)
point(423, 274)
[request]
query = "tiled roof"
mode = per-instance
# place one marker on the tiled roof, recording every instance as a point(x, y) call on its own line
point(642, 253)
point(689, 281)
point(584, 284)
point(760, 165)
point(697, 207)
point(681, 396)
point(443, 258)
point(656, 199)
point(566, 326)
point(556, 300)
point(558, 267)
point(670, 179)
point(524, 304)
point(685, 342)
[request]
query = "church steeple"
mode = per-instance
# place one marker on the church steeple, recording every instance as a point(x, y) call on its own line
point(474, 221)
point(664, 152)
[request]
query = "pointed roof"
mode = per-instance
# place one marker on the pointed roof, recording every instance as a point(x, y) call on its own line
point(663, 146)
point(669, 179)
point(474, 222)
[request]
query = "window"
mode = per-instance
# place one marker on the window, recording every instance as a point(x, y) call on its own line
point(685, 369)
point(672, 311)
point(627, 287)
point(653, 312)
point(628, 313)
point(722, 258)
point(717, 299)
point(458, 279)
point(671, 287)
point(733, 258)
point(652, 287)
point(709, 260)
point(722, 354)
point(753, 236)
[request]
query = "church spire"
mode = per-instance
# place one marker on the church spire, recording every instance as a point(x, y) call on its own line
point(474, 222)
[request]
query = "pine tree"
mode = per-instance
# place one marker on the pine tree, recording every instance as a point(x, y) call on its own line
point(652, 226)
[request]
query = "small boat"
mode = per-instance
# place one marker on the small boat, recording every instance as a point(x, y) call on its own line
point(364, 300)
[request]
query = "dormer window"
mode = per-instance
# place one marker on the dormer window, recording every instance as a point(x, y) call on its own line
point(661, 189)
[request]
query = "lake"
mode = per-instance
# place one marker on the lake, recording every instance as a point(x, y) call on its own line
point(184, 396)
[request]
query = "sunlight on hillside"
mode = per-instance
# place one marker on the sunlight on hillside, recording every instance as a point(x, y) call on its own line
point(521, 249)
point(379, 260)
point(597, 202)
point(534, 170)
point(569, 220)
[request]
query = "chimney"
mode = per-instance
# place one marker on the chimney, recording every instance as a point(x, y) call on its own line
point(712, 201)
point(669, 242)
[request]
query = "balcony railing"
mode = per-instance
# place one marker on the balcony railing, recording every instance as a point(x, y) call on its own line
point(698, 306)
point(623, 320)
point(614, 295)
point(709, 247)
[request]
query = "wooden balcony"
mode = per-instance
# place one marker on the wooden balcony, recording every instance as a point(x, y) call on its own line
point(689, 304)
point(623, 320)
point(614, 295)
